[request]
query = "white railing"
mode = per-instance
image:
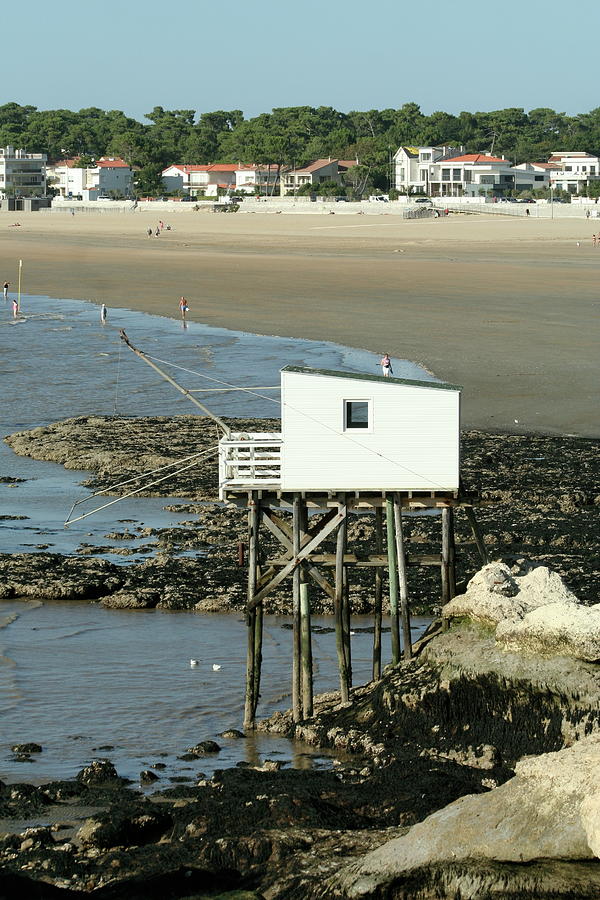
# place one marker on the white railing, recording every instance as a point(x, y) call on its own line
point(250, 459)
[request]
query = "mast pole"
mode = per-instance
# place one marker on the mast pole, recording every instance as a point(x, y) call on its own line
point(178, 387)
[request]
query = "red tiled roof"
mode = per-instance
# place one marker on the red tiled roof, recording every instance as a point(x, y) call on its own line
point(107, 163)
point(544, 165)
point(476, 158)
point(347, 163)
point(317, 164)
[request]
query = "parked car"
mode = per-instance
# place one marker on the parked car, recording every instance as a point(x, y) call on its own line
point(423, 200)
point(378, 198)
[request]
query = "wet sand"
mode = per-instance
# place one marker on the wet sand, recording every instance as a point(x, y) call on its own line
point(507, 308)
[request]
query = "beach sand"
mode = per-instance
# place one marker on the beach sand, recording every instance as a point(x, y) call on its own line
point(506, 307)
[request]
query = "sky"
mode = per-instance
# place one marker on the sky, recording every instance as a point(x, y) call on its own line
point(351, 55)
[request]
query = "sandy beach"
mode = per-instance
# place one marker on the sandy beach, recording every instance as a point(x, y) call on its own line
point(507, 308)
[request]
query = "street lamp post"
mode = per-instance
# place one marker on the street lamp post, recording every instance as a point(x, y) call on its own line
point(551, 200)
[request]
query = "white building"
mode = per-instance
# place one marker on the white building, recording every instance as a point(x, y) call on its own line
point(198, 180)
point(574, 170)
point(66, 177)
point(108, 177)
point(413, 167)
point(347, 432)
point(111, 175)
point(534, 175)
point(250, 177)
point(22, 174)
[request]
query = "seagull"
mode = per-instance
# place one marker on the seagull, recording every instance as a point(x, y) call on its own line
point(516, 421)
point(216, 667)
point(193, 663)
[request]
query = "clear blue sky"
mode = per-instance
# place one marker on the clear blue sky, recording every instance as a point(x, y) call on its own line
point(192, 54)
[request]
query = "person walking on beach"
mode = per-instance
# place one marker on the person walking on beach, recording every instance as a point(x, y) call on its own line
point(594, 240)
point(150, 232)
point(386, 366)
point(5, 289)
point(183, 307)
point(103, 314)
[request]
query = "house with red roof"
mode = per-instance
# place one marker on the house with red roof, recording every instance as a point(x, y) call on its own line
point(199, 180)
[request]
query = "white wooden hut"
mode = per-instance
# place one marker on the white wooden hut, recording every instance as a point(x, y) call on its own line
point(347, 432)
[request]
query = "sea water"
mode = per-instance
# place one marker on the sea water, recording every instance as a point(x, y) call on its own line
point(78, 678)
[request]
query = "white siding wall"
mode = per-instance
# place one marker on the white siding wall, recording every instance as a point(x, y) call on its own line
point(414, 443)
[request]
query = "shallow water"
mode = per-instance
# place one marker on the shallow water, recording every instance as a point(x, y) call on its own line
point(76, 677)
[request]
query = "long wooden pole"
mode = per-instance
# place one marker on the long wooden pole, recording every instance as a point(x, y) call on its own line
point(482, 549)
point(393, 578)
point(445, 570)
point(452, 556)
point(182, 390)
point(253, 520)
point(402, 577)
point(19, 286)
point(305, 635)
point(346, 622)
point(378, 600)
point(339, 600)
point(296, 631)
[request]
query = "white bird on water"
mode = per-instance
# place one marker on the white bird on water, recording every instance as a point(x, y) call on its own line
point(193, 663)
point(216, 667)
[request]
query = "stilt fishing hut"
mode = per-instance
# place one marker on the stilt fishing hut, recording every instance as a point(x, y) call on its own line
point(348, 443)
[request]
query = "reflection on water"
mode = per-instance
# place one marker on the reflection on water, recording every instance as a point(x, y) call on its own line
point(78, 678)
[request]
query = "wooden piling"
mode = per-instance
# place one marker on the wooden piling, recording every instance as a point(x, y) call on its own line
point(339, 600)
point(378, 597)
point(296, 633)
point(393, 578)
point(402, 577)
point(477, 534)
point(252, 657)
point(305, 635)
point(445, 568)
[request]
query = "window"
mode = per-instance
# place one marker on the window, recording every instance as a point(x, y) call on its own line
point(425, 157)
point(357, 414)
point(455, 174)
point(445, 174)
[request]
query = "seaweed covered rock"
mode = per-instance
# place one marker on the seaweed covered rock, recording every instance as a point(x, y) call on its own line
point(538, 814)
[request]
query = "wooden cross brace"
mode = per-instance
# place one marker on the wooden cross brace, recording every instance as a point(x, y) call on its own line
point(315, 536)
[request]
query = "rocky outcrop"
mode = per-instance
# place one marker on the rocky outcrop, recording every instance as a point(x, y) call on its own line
point(532, 610)
point(547, 811)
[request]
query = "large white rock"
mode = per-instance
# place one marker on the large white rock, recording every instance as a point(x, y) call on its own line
point(558, 629)
point(538, 814)
point(495, 594)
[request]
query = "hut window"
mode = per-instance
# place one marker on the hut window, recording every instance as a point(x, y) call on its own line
point(357, 414)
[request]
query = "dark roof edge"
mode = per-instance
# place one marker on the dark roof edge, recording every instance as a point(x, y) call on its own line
point(356, 376)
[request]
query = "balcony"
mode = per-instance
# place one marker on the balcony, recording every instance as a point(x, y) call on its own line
point(250, 460)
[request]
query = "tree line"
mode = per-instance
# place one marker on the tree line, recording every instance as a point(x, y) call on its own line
point(289, 135)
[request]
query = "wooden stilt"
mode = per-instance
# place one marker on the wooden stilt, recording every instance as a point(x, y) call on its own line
point(445, 569)
point(346, 623)
point(251, 657)
point(482, 549)
point(393, 578)
point(296, 639)
point(402, 579)
point(378, 597)
point(339, 601)
point(305, 635)
point(452, 557)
